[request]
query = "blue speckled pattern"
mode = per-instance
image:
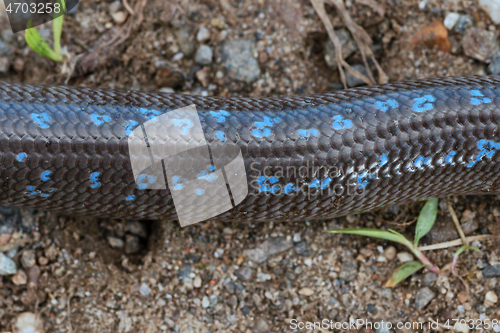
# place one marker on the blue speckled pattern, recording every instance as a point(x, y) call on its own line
point(306, 157)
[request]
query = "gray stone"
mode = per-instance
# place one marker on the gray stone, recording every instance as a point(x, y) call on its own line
point(5, 49)
point(7, 265)
point(185, 41)
point(28, 258)
point(492, 271)
point(423, 297)
point(349, 270)
point(348, 48)
point(494, 66)
point(184, 271)
point(464, 22)
point(239, 61)
point(267, 249)
point(229, 285)
point(116, 242)
point(203, 34)
point(244, 273)
point(132, 244)
point(480, 44)
point(430, 278)
point(137, 228)
point(301, 248)
point(353, 81)
point(144, 289)
point(203, 55)
point(261, 326)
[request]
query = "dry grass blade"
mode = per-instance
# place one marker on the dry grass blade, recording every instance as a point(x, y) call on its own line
point(456, 242)
point(319, 7)
point(455, 220)
point(360, 36)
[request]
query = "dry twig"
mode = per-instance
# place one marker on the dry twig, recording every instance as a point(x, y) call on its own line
point(360, 36)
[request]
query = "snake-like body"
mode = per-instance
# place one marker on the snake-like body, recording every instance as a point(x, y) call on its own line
point(67, 149)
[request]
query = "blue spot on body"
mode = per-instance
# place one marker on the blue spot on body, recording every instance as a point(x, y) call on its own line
point(94, 179)
point(200, 191)
point(221, 135)
point(45, 176)
point(449, 158)
point(33, 191)
point(476, 101)
point(326, 183)
point(289, 188)
point(341, 123)
point(130, 197)
point(42, 119)
point(384, 106)
point(263, 126)
point(383, 159)
point(21, 157)
point(151, 114)
point(421, 161)
point(210, 176)
point(314, 183)
point(308, 132)
point(145, 180)
point(220, 115)
point(100, 119)
point(130, 127)
point(487, 148)
point(184, 124)
point(424, 103)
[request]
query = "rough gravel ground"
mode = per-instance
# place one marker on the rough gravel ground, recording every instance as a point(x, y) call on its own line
point(91, 275)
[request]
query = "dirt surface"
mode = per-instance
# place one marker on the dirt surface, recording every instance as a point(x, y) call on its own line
point(90, 275)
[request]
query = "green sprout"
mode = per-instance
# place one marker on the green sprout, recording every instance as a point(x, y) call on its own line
point(425, 221)
point(38, 44)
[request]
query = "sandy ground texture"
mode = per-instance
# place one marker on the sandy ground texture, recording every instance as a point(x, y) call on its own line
point(94, 275)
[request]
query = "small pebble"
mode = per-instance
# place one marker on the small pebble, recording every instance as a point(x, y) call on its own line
point(28, 258)
point(494, 66)
point(239, 60)
point(7, 265)
point(306, 291)
point(461, 327)
point(119, 17)
point(451, 20)
point(480, 44)
point(296, 237)
point(464, 23)
point(405, 256)
point(132, 244)
point(390, 253)
point(205, 302)
point(28, 322)
point(114, 7)
point(144, 289)
point(116, 242)
point(20, 278)
point(490, 298)
point(423, 297)
point(353, 81)
point(203, 55)
point(492, 8)
point(203, 34)
point(197, 282)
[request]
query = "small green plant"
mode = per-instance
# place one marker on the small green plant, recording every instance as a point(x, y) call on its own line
point(425, 221)
point(38, 44)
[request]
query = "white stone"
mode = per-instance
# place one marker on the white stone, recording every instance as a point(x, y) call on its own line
point(28, 322)
point(405, 256)
point(450, 20)
point(492, 8)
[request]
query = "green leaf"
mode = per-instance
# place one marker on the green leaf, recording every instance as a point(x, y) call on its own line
point(57, 28)
point(390, 235)
point(38, 44)
point(403, 272)
point(426, 219)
